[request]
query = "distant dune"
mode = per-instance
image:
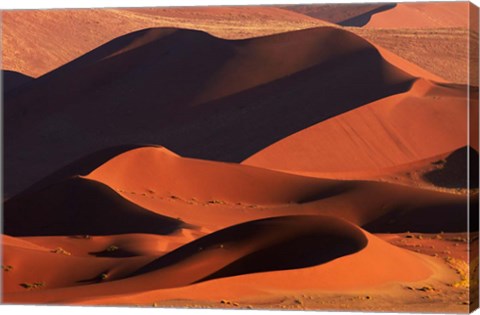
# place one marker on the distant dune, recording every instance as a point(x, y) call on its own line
point(344, 15)
point(36, 42)
point(423, 15)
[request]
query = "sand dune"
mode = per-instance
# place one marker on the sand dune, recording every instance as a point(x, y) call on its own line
point(249, 114)
point(36, 42)
point(228, 252)
point(173, 186)
point(391, 15)
point(81, 207)
point(341, 14)
point(239, 157)
point(422, 15)
point(382, 134)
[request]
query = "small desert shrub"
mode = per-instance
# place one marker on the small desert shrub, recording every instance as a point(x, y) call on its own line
point(217, 202)
point(112, 248)
point(35, 285)
point(60, 250)
point(103, 276)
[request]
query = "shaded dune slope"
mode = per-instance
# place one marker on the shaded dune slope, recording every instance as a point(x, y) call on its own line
point(294, 76)
point(81, 207)
point(12, 80)
point(280, 243)
point(454, 171)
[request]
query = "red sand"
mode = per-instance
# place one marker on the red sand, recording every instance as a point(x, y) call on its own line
point(422, 15)
point(135, 224)
point(382, 134)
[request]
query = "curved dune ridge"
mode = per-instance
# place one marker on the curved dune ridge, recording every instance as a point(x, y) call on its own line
point(306, 83)
point(382, 134)
point(306, 244)
point(36, 42)
point(216, 195)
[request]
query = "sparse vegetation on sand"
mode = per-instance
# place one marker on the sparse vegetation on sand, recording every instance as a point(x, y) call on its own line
point(61, 251)
point(34, 285)
point(112, 248)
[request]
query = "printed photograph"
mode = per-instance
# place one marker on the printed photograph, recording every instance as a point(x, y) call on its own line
point(284, 157)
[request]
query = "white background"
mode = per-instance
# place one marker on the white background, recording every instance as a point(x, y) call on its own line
point(31, 4)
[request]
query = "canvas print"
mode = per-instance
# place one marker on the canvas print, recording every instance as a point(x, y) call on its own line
point(295, 157)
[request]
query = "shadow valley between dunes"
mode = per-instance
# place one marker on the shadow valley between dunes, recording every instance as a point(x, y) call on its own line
point(219, 113)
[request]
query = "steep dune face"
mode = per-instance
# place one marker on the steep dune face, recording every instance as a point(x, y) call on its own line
point(81, 207)
point(427, 120)
point(36, 42)
point(237, 116)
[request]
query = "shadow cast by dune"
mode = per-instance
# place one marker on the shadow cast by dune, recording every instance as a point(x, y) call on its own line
point(280, 243)
point(454, 171)
point(433, 218)
point(12, 80)
point(81, 207)
point(364, 18)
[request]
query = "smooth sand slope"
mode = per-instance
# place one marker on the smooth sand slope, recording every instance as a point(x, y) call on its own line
point(391, 15)
point(381, 134)
point(423, 15)
point(233, 99)
point(36, 42)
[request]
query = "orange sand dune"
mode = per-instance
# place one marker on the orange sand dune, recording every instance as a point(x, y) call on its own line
point(215, 195)
point(245, 88)
point(427, 120)
point(422, 15)
point(246, 250)
point(392, 266)
point(36, 42)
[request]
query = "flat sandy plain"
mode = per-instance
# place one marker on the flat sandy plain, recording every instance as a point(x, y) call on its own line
point(289, 157)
